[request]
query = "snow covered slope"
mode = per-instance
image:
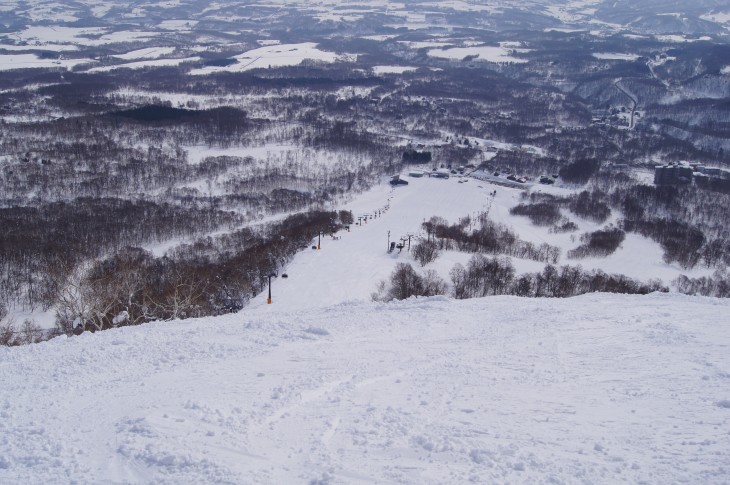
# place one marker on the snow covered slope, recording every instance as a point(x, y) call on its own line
point(326, 387)
point(349, 269)
point(594, 389)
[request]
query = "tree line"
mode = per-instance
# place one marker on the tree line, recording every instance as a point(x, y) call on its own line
point(488, 237)
point(210, 277)
point(488, 276)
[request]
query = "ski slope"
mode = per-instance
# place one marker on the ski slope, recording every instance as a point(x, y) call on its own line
point(349, 269)
point(326, 387)
point(594, 389)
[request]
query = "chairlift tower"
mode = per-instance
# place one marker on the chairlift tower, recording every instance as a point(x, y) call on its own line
point(490, 200)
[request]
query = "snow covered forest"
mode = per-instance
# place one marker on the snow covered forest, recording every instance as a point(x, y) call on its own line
point(117, 135)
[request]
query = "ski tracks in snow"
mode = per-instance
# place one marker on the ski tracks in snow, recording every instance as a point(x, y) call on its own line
point(598, 388)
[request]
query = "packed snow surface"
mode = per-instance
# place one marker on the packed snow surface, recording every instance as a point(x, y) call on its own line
point(594, 389)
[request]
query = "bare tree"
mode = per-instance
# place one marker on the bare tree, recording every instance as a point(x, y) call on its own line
point(31, 332)
point(183, 297)
point(74, 309)
point(425, 252)
point(433, 284)
point(7, 328)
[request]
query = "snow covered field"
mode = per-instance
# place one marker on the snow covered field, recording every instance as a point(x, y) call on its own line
point(682, 38)
point(29, 61)
point(485, 53)
point(611, 56)
point(145, 64)
point(378, 70)
point(146, 53)
point(91, 36)
point(278, 55)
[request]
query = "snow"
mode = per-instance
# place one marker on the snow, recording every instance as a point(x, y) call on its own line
point(563, 14)
point(378, 70)
point(463, 6)
point(337, 17)
point(144, 64)
point(178, 25)
point(274, 56)
point(30, 61)
point(486, 53)
point(613, 56)
point(45, 319)
point(197, 153)
point(146, 53)
point(425, 44)
point(102, 9)
point(325, 386)
point(719, 17)
point(380, 38)
point(55, 12)
point(80, 35)
point(358, 261)
point(681, 38)
point(563, 30)
point(42, 47)
point(594, 389)
point(134, 95)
